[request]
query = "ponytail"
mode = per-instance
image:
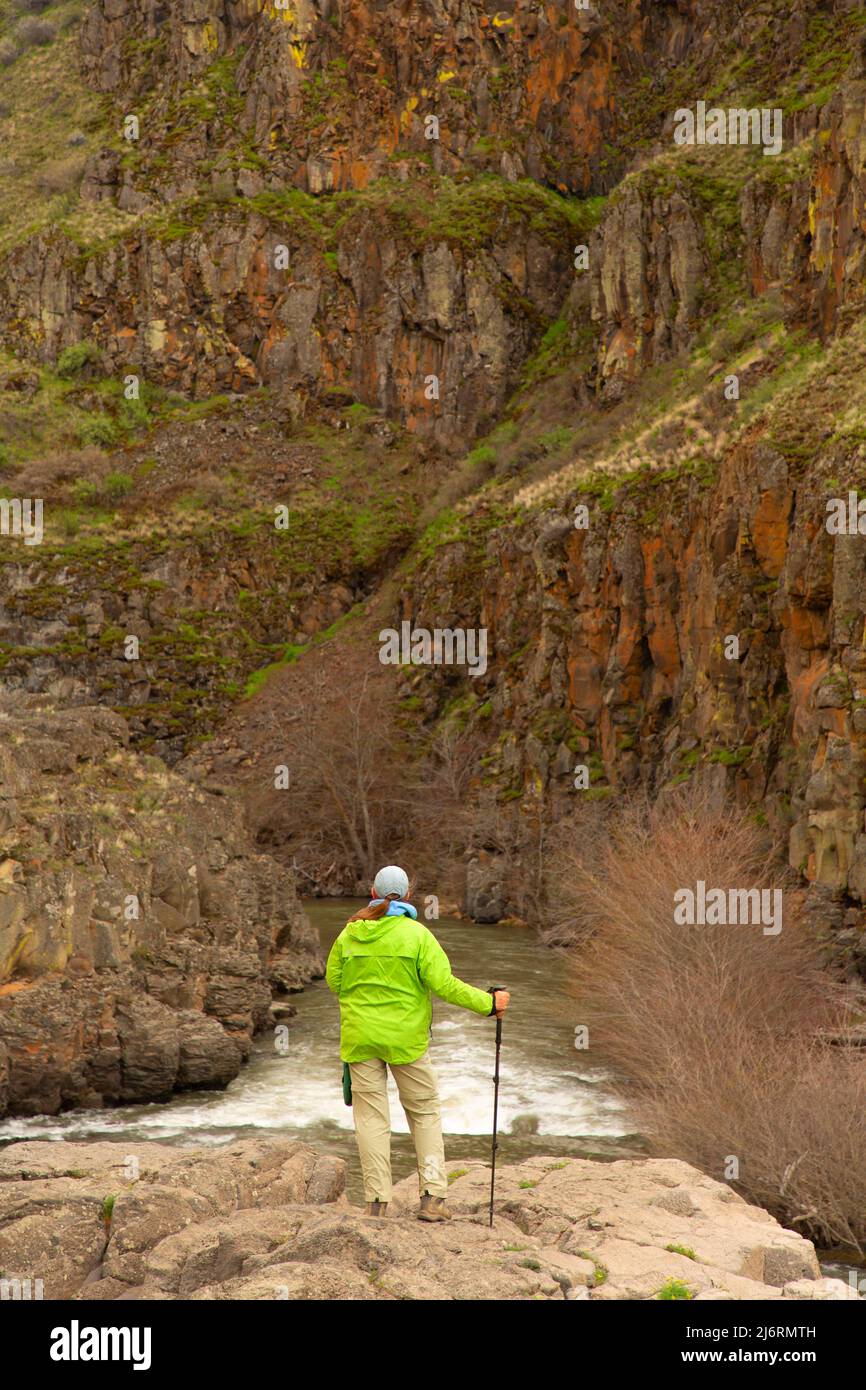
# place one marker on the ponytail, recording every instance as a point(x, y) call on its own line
point(373, 912)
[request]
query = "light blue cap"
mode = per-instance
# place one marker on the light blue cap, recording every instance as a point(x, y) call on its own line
point(391, 882)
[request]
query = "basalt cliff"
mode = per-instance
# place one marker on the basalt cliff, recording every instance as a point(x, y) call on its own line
point(144, 938)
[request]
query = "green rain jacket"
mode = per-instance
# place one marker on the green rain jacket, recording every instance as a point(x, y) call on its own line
point(382, 972)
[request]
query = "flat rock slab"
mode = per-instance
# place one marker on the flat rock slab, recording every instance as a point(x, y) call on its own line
point(644, 1222)
point(73, 1214)
point(268, 1219)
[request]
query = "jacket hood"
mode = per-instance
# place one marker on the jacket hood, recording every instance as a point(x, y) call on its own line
point(371, 931)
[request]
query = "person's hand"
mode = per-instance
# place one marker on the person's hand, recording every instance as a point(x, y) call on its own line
point(501, 998)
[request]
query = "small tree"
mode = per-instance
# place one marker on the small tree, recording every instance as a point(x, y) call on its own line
point(349, 795)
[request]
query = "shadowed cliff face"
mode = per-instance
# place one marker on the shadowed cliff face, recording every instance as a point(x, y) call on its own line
point(621, 629)
point(206, 262)
point(792, 224)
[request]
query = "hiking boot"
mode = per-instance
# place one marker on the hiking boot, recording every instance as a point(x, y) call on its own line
point(433, 1209)
point(376, 1209)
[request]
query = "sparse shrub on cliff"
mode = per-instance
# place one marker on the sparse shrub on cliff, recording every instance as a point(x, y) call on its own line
point(548, 356)
point(76, 360)
point(34, 33)
point(720, 1030)
point(99, 429)
point(69, 522)
point(116, 486)
point(87, 492)
point(552, 441)
point(744, 325)
point(481, 457)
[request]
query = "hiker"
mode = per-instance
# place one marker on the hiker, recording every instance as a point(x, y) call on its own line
point(382, 968)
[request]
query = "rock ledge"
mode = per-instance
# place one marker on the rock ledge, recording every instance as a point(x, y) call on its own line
point(265, 1219)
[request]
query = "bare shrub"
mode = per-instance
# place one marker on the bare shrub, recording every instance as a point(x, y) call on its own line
point(441, 815)
point(718, 1029)
point(455, 818)
point(31, 6)
point(51, 474)
point(34, 33)
point(564, 909)
point(791, 1110)
point(10, 52)
point(214, 489)
point(514, 833)
point(349, 795)
point(60, 175)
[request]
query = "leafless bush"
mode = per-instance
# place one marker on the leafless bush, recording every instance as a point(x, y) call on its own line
point(349, 795)
point(34, 33)
point(61, 175)
point(719, 1029)
point(791, 1110)
point(31, 6)
point(10, 52)
point(440, 821)
point(563, 903)
point(213, 489)
point(50, 475)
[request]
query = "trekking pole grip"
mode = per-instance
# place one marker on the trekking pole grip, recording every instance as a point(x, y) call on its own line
point(492, 989)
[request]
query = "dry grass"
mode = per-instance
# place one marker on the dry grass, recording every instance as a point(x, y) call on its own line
point(717, 1027)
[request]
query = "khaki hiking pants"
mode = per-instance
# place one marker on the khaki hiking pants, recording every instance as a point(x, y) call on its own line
point(419, 1097)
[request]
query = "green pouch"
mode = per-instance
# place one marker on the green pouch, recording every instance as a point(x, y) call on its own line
point(347, 1084)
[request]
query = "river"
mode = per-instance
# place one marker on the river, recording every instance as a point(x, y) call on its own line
point(552, 1098)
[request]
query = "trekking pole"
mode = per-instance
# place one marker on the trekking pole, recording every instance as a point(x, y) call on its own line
point(493, 989)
